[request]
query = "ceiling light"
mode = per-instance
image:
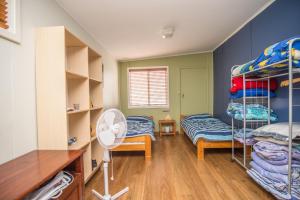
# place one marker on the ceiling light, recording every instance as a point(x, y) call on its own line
point(167, 32)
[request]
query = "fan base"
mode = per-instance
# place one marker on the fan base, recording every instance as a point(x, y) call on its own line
point(108, 197)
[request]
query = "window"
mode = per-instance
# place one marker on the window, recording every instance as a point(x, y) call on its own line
point(10, 20)
point(148, 87)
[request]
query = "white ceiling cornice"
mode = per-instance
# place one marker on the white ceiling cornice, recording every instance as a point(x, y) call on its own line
point(166, 56)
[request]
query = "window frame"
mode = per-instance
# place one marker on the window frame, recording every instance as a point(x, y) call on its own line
point(13, 33)
point(149, 106)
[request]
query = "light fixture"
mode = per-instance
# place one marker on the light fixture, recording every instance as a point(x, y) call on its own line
point(167, 32)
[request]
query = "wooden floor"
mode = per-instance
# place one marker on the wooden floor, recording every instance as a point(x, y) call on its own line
point(175, 173)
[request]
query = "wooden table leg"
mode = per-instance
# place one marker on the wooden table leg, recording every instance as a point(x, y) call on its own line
point(174, 128)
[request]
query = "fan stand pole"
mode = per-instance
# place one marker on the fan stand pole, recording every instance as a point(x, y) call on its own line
point(106, 193)
point(107, 196)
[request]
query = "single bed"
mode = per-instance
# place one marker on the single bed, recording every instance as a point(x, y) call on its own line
point(206, 132)
point(140, 134)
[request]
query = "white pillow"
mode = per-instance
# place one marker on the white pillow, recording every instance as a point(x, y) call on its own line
point(297, 54)
point(280, 129)
point(237, 70)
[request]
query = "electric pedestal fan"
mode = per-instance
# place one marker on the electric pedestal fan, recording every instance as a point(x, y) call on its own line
point(111, 129)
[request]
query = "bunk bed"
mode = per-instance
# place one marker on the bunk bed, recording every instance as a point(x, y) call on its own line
point(206, 132)
point(274, 142)
point(139, 137)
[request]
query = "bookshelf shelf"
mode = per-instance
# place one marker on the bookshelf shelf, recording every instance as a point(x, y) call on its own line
point(95, 80)
point(93, 138)
point(77, 111)
point(96, 108)
point(78, 145)
point(73, 75)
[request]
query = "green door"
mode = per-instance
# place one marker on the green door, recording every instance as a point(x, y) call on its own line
point(194, 90)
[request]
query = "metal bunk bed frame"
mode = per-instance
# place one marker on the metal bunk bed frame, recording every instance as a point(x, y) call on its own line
point(267, 76)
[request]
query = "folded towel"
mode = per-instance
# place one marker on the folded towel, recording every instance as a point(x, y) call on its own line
point(239, 133)
point(279, 190)
point(252, 93)
point(238, 84)
point(253, 112)
point(276, 176)
point(282, 169)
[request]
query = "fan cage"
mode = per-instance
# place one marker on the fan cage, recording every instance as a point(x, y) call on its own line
point(102, 126)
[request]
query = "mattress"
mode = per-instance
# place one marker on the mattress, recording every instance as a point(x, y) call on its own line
point(206, 127)
point(276, 54)
point(139, 126)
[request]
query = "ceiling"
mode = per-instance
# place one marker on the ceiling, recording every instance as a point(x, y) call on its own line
point(131, 29)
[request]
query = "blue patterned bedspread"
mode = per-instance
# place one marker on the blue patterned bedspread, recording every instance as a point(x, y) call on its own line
point(140, 125)
point(207, 127)
point(253, 112)
point(273, 54)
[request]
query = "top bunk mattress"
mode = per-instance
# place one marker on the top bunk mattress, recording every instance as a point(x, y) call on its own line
point(206, 127)
point(139, 126)
point(272, 60)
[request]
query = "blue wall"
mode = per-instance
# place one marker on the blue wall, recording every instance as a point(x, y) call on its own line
point(278, 22)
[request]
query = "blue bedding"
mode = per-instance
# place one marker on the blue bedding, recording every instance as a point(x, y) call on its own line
point(273, 54)
point(252, 93)
point(253, 112)
point(206, 127)
point(140, 125)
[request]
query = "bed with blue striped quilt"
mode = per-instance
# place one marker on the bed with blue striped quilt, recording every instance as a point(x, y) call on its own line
point(204, 126)
point(139, 126)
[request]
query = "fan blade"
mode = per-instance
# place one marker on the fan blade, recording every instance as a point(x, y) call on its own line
point(107, 138)
point(109, 118)
point(101, 127)
point(119, 128)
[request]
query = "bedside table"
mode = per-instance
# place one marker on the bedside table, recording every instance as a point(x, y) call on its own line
point(163, 124)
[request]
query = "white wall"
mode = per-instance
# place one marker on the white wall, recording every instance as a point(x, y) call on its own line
point(18, 134)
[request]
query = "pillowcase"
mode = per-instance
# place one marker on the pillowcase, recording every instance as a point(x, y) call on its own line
point(278, 130)
point(296, 54)
point(198, 116)
point(237, 70)
point(139, 118)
